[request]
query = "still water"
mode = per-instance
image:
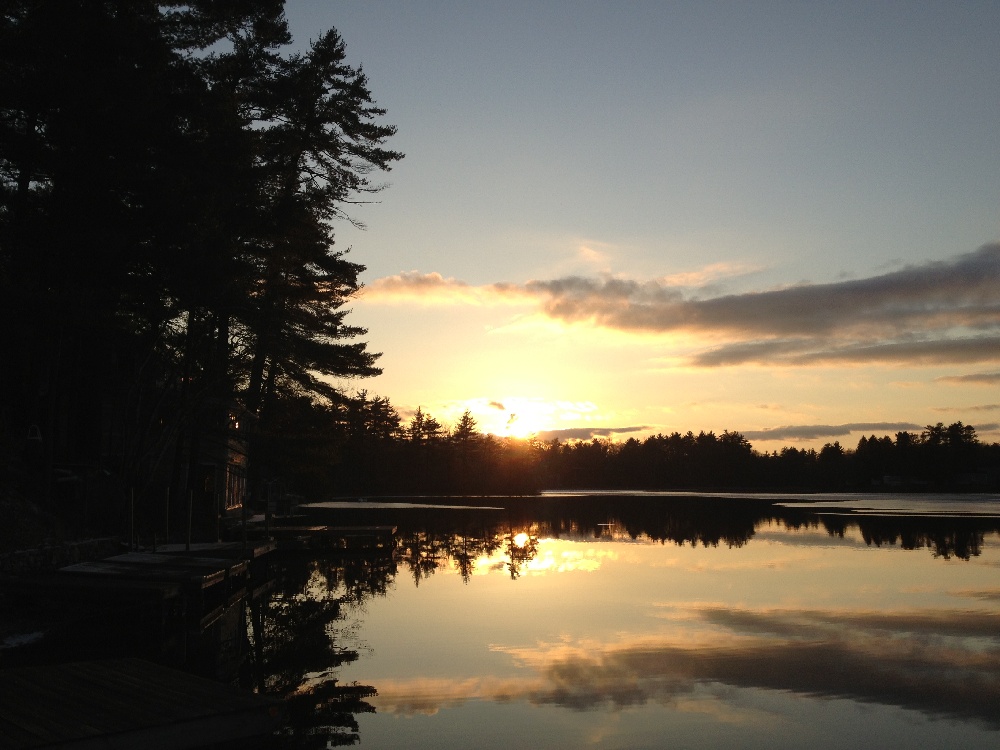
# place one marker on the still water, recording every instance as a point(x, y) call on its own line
point(662, 621)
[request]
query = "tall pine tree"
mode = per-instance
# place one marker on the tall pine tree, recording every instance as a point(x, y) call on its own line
point(169, 182)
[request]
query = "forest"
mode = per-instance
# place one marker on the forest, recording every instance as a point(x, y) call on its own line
point(379, 453)
point(173, 295)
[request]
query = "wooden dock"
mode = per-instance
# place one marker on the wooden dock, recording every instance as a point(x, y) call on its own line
point(127, 703)
point(211, 585)
point(351, 539)
point(252, 550)
point(200, 572)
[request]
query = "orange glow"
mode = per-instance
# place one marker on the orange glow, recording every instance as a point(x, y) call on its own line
point(521, 417)
point(522, 426)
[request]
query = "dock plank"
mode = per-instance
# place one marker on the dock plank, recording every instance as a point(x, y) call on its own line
point(134, 570)
point(209, 565)
point(250, 550)
point(125, 703)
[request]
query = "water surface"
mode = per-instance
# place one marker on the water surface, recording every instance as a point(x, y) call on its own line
point(665, 620)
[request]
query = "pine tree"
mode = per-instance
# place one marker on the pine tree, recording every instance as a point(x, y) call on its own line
point(169, 183)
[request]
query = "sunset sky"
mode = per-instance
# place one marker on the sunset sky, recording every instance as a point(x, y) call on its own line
point(618, 219)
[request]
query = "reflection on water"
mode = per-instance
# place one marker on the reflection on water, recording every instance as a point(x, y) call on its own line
point(294, 652)
point(620, 622)
point(629, 621)
point(913, 660)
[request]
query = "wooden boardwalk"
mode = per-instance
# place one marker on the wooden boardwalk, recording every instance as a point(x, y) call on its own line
point(127, 703)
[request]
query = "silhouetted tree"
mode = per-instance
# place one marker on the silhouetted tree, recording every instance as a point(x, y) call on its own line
point(832, 466)
point(169, 179)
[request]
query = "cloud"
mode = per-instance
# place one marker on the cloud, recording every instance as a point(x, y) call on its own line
point(986, 595)
point(586, 433)
point(980, 378)
point(981, 407)
point(435, 289)
point(944, 312)
point(816, 431)
point(822, 352)
point(940, 296)
point(940, 663)
point(707, 275)
point(589, 254)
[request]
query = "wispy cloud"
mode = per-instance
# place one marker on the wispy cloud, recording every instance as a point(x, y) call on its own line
point(818, 431)
point(979, 378)
point(826, 351)
point(707, 275)
point(435, 289)
point(586, 433)
point(981, 407)
point(589, 254)
point(944, 312)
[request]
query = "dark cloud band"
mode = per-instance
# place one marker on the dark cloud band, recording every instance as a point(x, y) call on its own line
point(818, 431)
point(944, 312)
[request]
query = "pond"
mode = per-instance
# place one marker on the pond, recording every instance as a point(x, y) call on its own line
point(652, 620)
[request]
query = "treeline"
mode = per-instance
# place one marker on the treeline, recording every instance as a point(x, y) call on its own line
point(938, 458)
point(366, 448)
point(371, 450)
point(170, 176)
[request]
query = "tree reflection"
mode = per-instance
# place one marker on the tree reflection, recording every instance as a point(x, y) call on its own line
point(435, 538)
point(465, 554)
point(294, 651)
point(521, 548)
point(422, 553)
point(948, 538)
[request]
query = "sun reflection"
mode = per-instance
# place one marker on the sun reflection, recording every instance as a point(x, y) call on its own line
point(522, 553)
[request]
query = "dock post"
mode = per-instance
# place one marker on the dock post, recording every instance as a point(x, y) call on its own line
point(131, 520)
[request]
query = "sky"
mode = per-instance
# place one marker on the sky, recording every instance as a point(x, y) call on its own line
point(622, 219)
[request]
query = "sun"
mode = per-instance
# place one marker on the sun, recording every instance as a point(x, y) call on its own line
point(522, 417)
point(519, 426)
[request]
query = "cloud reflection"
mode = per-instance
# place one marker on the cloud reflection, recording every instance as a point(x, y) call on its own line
point(944, 663)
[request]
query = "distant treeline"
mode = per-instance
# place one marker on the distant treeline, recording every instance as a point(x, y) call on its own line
point(380, 454)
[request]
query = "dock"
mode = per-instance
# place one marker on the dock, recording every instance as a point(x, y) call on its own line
point(231, 550)
point(211, 585)
point(255, 553)
point(199, 572)
point(170, 606)
point(127, 703)
point(348, 539)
